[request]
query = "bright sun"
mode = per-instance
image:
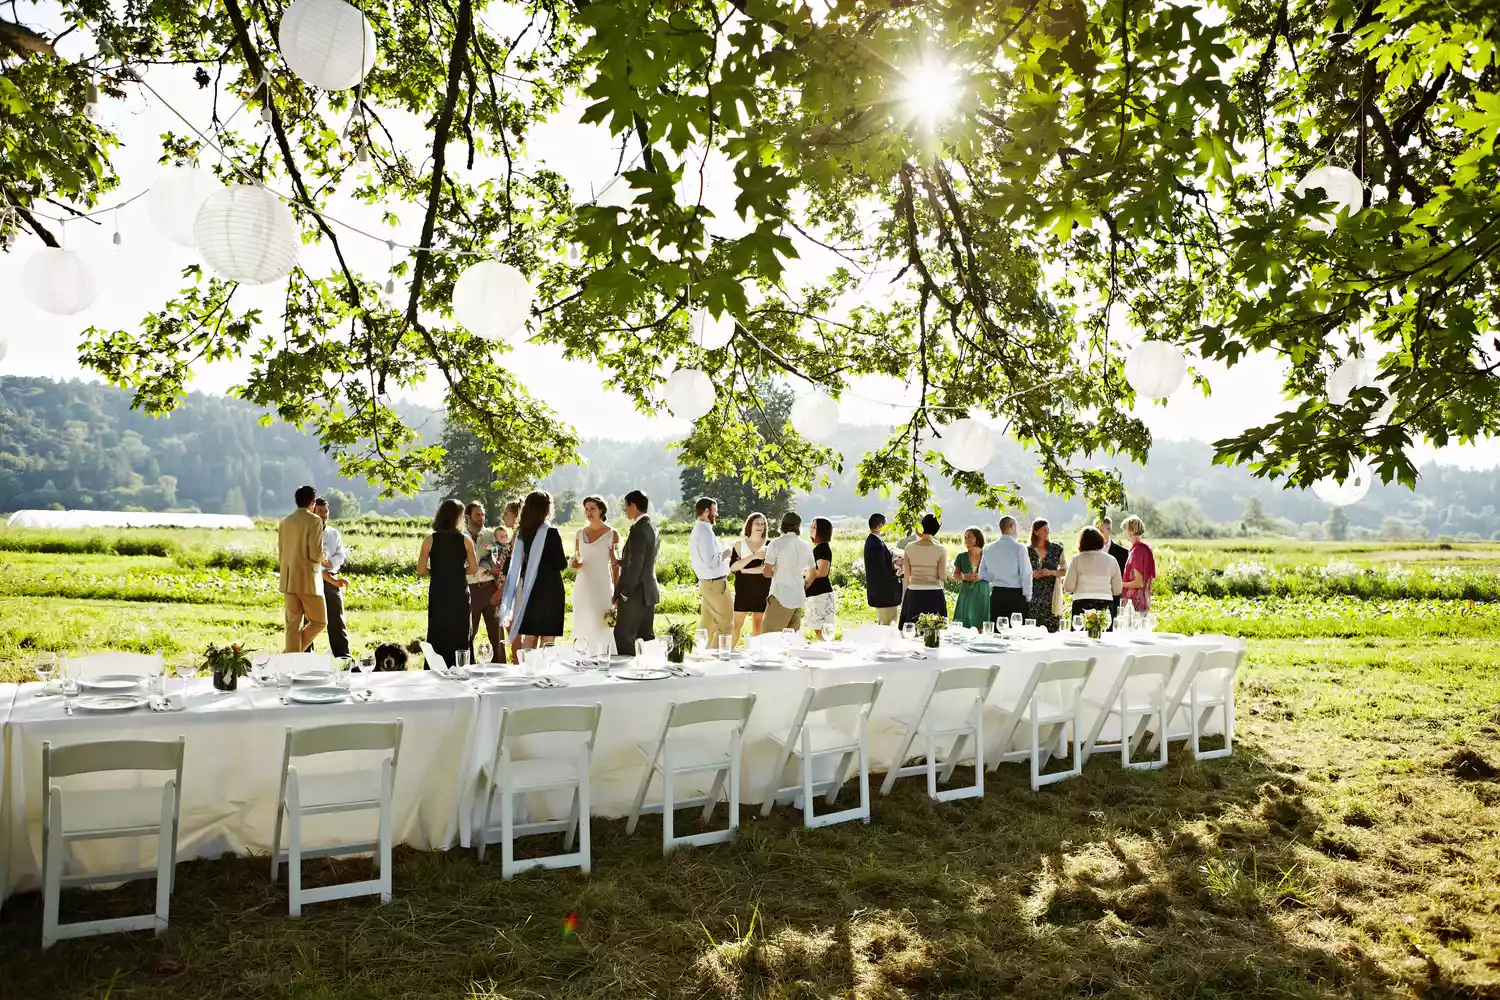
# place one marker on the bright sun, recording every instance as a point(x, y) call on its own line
point(931, 91)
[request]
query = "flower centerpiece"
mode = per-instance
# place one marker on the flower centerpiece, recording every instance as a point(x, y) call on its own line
point(227, 663)
point(1095, 622)
point(931, 628)
point(681, 638)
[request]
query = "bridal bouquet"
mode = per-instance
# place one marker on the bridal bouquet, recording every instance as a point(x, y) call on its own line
point(611, 617)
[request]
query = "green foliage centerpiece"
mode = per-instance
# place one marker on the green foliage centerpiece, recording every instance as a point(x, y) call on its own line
point(681, 638)
point(930, 628)
point(227, 663)
point(1095, 622)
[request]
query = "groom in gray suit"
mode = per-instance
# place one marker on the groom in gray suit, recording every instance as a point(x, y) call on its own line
point(636, 594)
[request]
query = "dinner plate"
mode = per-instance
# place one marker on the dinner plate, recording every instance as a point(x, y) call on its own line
point(988, 647)
point(767, 663)
point(1169, 635)
point(888, 655)
point(506, 683)
point(112, 702)
point(488, 669)
point(816, 653)
point(643, 674)
point(317, 695)
point(111, 682)
point(312, 677)
point(1078, 642)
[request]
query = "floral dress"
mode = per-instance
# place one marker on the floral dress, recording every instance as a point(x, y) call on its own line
point(1041, 588)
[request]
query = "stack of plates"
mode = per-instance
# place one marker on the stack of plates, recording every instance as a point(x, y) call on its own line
point(642, 674)
point(319, 677)
point(316, 695)
point(760, 661)
point(111, 683)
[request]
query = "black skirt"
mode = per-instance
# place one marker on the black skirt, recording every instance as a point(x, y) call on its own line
point(751, 588)
point(923, 602)
point(546, 607)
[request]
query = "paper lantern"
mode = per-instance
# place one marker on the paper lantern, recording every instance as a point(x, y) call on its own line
point(1351, 491)
point(174, 200)
point(59, 281)
point(689, 393)
point(247, 235)
point(815, 416)
point(492, 299)
point(1340, 186)
point(1355, 373)
point(327, 43)
point(968, 445)
point(1155, 369)
point(711, 332)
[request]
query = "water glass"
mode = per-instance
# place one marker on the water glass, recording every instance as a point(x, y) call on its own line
point(461, 662)
point(700, 641)
point(724, 647)
point(283, 680)
point(988, 628)
point(69, 685)
point(1016, 618)
point(45, 664)
point(343, 666)
point(260, 666)
point(1030, 623)
point(909, 631)
point(788, 636)
point(1078, 623)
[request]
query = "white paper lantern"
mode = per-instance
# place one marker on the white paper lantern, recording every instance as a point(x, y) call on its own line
point(1340, 186)
point(247, 235)
point(59, 281)
point(1155, 368)
point(689, 393)
point(174, 200)
point(1355, 373)
point(815, 416)
point(492, 299)
point(1351, 491)
point(968, 445)
point(711, 332)
point(327, 43)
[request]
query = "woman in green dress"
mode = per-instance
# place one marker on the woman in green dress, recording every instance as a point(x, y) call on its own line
point(973, 607)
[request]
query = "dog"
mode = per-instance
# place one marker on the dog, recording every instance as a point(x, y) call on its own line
point(390, 656)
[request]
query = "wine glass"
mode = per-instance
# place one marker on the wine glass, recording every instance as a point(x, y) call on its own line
point(1030, 623)
point(1105, 618)
point(260, 666)
point(1016, 619)
point(1078, 623)
point(45, 664)
point(581, 650)
point(184, 669)
point(484, 650)
point(909, 631)
point(283, 679)
point(367, 663)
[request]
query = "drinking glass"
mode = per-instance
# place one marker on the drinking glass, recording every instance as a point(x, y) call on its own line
point(69, 685)
point(1016, 618)
point(909, 631)
point(700, 640)
point(367, 663)
point(1078, 623)
point(788, 636)
point(342, 666)
point(1001, 624)
point(484, 650)
point(1030, 623)
point(283, 679)
point(185, 669)
point(581, 650)
point(724, 646)
point(45, 664)
point(461, 662)
point(260, 664)
point(827, 631)
point(988, 628)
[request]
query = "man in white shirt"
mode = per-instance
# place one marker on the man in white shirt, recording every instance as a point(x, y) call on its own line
point(334, 557)
point(1006, 567)
point(788, 558)
point(484, 589)
point(713, 572)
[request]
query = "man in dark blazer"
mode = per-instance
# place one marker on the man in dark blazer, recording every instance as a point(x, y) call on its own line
point(636, 593)
point(882, 586)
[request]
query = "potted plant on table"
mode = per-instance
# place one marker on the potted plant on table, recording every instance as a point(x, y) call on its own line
point(227, 663)
point(931, 628)
point(681, 638)
point(1095, 622)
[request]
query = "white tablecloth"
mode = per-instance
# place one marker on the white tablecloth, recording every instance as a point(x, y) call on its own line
point(231, 773)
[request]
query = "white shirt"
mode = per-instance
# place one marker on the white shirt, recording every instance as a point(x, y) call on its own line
point(1093, 576)
point(790, 556)
point(484, 549)
point(703, 550)
point(333, 549)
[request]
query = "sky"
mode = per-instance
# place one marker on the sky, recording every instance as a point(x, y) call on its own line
point(144, 271)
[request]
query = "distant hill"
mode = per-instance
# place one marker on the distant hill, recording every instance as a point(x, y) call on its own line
point(78, 444)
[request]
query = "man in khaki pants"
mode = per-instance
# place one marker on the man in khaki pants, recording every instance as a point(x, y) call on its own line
point(299, 543)
point(713, 572)
point(788, 559)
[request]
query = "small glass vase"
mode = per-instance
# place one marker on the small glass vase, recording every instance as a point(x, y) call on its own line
point(932, 638)
point(225, 680)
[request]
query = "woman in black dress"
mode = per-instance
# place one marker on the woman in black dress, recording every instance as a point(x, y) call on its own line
point(541, 616)
point(446, 559)
point(751, 585)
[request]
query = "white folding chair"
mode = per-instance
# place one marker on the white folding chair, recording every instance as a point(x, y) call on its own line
point(295, 663)
point(1139, 694)
point(323, 793)
point(1212, 687)
point(808, 740)
point(508, 777)
point(675, 755)
point(938, 724)
point(1051, 706)
point(83, 814)
point(98, 664)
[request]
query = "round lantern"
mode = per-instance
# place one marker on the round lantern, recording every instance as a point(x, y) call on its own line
point(246, 234)
point(327, 43)
point(689, 393)
point(1340, 186)
point(59, 281)
point(1155, 369)
point(711, 332)
point(1352, 490)
point(968, 445)
point(1355, 373)
point(815, 416)
point(492, 299)
point(174, 200)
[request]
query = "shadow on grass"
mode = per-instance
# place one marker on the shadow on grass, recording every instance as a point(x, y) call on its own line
point(1179, 883)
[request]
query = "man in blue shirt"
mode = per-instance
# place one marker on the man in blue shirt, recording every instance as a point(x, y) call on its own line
point(1006, 567)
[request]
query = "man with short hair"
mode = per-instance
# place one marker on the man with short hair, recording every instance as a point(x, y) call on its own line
point(712, 570)
point(299, 549)
point(484, 589)
point(333, 585)
point(882, 585)
point(1006, 567)
point(1117, 551)
point(788, 559)
point(636, 590)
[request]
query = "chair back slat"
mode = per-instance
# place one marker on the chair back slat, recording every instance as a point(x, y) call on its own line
point(1066, 670)
point(1149, 664)
point(112, 755)
point(966, 679)
point(550, 719)
point(842, 695)
point(693, 713)
point(1221, 659)
point(345, 736)
point(96, 664)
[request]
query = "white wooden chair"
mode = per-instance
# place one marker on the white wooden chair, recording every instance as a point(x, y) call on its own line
point(296, 663)
point(508, 777)
point(809, 739)
point(675, 755)
point(324, 793)
point(939, 724)
point(1051, 706)
point(99, 664)
point(1140, 693)
point(1209, 687)
point(82, 814)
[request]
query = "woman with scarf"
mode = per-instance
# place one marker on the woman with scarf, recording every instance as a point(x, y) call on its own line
point(535, 601)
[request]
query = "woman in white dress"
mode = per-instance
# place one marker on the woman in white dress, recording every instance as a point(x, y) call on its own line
point(596, 558)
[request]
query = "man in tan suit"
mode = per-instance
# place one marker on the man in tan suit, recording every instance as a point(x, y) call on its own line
point(299, 542)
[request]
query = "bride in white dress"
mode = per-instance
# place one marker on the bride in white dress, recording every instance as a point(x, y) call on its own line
point(597, 560)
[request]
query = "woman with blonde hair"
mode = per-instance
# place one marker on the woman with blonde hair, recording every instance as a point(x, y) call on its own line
point(1140, 565)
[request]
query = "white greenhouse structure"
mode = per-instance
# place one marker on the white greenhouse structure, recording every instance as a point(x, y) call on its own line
point(66, 519)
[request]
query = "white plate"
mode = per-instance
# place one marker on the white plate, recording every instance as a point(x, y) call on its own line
point(506, 683)
point(312, 677)
point(888, 655)
point(488, 669)
point(642, 674)
point(816, 653)
point(317, 695)
point(1078, 642)
point(111, 682)
point(1169, 635)
point(112, 702)
point(988, 647)
point(768, 663)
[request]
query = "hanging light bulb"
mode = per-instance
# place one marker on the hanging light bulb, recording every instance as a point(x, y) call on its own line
point(116, 240)
point(390, 286)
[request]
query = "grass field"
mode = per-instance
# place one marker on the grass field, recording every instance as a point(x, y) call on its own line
point(1350, 847)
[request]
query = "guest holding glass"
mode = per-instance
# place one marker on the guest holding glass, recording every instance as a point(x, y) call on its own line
point(447, 560)
point(1093, 577)
point(1140, 566)
point(712, 569)
point(535, 601)
point(822, 605)
point(882, 585)
point(973, 605)
point(926, 569)
point(1047, 567)
point(751, 585)
point(1007, 569)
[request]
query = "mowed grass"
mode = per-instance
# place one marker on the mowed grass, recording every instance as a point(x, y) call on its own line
point(1348, 848)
